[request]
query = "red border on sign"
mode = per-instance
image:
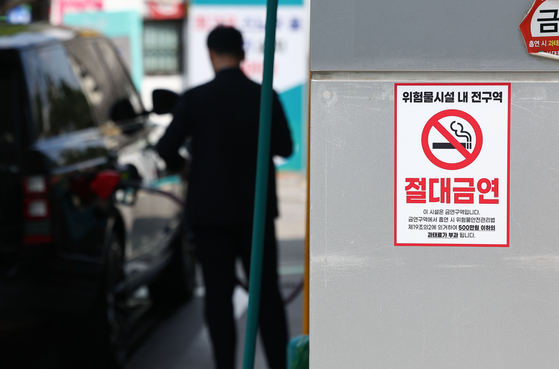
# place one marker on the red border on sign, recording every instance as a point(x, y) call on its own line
point(507, 244)
point(433, 122)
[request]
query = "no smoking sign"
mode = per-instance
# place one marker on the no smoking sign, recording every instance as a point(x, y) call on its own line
point(452, 134)
point(452, 164)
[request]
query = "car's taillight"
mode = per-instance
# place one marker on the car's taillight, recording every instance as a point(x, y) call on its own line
point(36, 210)
point(35, 185)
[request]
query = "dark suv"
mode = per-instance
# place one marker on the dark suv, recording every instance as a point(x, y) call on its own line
point(83, 223)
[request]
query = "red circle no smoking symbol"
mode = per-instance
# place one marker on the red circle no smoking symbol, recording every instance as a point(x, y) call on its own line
point(459, 133)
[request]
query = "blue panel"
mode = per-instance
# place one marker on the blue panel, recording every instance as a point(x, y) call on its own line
point(292, 101)
point(116, 24)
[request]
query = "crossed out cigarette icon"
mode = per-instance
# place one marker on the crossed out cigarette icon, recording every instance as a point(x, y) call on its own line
point(459, 131)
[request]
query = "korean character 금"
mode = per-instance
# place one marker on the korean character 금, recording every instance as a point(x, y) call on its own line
point(415, 191)
point(484, 186)
point(464, 195)
point(549, 23)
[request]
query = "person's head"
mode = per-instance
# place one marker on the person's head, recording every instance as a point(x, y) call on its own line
point(226, 48)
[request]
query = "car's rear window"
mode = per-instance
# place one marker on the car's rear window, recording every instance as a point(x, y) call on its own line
point(8, 103)
point(58, 103)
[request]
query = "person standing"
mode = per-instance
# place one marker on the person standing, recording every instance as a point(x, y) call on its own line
point(222, 119)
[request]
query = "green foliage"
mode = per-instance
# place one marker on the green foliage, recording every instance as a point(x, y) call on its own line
point(8, 29)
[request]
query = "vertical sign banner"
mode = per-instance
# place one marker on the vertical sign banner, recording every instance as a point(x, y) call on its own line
point(452, 165)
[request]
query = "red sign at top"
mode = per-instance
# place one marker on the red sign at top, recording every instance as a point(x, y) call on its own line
point(540, 28)
point(161, 11)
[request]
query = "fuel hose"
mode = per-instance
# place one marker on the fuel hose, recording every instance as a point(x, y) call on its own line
point(136, 184)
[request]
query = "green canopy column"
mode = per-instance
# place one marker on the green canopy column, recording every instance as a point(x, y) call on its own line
point(261, 185)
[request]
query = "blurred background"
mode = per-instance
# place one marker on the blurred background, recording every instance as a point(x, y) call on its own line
point(162, 44)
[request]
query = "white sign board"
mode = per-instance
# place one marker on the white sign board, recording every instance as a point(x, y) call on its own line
point(291, 66)
point(452, 164)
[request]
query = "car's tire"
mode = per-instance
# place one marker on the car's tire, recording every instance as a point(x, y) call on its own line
point(97, 339)
point(110, 309)
point(177, 282)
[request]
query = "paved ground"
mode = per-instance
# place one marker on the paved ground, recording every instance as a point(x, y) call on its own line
point(181, 340)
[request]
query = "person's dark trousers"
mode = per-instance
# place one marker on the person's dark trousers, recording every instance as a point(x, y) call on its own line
point(217, 249)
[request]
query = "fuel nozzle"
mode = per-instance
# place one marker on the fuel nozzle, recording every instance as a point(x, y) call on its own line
point(106, 182)
point(126, 177)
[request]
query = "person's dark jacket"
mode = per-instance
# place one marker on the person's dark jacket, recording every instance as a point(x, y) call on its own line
point(222, 117)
